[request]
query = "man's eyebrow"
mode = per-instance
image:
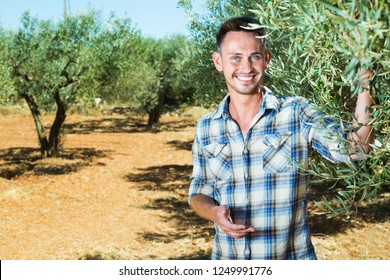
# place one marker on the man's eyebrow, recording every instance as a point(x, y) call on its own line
point(238, 53)
point(259, 53)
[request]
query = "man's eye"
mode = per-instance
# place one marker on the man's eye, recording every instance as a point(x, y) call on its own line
point(256, 57)
point(235, 58)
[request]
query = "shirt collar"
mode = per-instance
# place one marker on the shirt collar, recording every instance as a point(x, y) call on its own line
point(270, 102)
point(222, 109)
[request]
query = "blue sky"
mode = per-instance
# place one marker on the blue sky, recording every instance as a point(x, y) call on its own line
point(156, 18)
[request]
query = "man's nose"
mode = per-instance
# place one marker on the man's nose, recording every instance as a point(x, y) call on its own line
point(246, 65)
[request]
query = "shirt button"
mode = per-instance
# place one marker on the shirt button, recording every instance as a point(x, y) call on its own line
point(247, 253)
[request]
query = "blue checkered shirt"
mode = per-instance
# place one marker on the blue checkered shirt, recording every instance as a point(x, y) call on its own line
point(258, 177)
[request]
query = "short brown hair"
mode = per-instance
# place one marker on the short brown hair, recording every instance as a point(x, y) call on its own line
point(243, 23)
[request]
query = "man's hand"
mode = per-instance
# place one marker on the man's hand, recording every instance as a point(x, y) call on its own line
point(226, 224)
point(206, 208)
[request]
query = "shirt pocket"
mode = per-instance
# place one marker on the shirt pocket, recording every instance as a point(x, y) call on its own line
point(218, 156)
point(277, 153)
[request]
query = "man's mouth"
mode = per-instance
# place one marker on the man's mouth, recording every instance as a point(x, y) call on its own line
point(245, 78)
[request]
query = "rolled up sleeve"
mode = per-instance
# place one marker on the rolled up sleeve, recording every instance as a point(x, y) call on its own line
point(201, 182)
point(325, 134)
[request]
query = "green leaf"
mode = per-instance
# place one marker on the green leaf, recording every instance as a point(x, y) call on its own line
point(340, 49)
point(335, 9)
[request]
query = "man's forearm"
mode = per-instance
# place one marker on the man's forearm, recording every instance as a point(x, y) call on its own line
point(362, 133)
point(204, 206)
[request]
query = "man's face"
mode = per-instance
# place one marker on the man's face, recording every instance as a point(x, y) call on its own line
point(243, 61)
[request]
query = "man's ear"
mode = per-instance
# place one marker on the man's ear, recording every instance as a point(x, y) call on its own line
point(267, 57)
point(217, 59)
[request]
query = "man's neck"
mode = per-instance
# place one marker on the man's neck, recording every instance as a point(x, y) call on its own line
point(243, 109)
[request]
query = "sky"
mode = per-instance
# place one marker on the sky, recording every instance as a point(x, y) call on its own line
point(155, 18)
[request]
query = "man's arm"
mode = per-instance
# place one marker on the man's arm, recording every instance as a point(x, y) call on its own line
point(206, 208)
point(362, 137)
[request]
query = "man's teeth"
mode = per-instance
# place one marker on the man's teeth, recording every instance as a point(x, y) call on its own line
point(244, 78)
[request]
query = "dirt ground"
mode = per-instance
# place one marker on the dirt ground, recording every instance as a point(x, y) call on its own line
point(118, 191)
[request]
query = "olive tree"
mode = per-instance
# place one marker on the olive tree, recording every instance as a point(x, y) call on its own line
point(168, 59)
point(151, 73)
point(49, 65)
point(144, 72)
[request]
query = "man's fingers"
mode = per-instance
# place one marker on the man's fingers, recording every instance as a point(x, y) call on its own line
point(229, 227)
point(237, 231)
point(242, 233)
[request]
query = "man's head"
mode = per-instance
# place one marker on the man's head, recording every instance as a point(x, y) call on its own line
point(244, 23)
point(242, 56)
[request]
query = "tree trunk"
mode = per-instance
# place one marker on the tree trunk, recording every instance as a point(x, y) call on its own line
point(155, 113)
point(40, 128)
point(54, 137)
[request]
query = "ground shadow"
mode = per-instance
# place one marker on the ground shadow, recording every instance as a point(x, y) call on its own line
point(173, 179)
point(18, 161)
point(175, 126)
point(107, 125)
point(129, 124)
point(378, 212)
point(181, 145)
point(161, 178)
point(122, 110)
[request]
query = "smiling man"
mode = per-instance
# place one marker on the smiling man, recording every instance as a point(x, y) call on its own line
point(246, 154)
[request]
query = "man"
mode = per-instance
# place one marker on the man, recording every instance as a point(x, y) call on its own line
point(246, 153)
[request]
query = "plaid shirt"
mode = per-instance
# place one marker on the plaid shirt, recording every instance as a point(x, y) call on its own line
point(259, 179)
